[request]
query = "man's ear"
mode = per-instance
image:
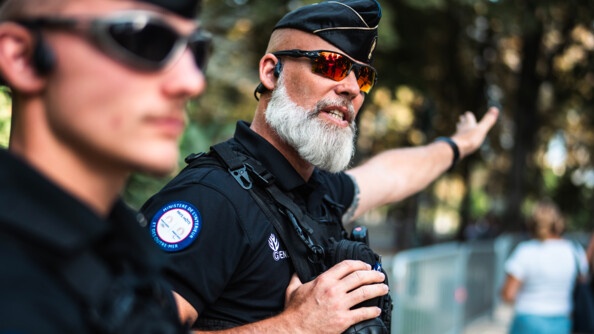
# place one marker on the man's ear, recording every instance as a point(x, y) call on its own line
point(270, 68)
point(17, 46)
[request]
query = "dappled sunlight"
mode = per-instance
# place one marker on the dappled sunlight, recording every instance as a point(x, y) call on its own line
point(436, 59)
point(5, 113)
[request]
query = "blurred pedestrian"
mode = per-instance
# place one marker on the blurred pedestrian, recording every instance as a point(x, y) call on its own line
point(541, 273)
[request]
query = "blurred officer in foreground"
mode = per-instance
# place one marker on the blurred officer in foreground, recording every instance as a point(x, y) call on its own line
point(99, 89)
point(241, 221)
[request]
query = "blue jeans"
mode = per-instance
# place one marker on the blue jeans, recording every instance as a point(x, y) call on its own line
point(536, 324)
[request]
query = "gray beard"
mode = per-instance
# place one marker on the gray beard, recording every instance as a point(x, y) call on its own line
point(322, 144)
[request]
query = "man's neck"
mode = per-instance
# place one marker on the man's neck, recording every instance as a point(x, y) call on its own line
point(97, 189)
point(96, 184)
point(303, 168)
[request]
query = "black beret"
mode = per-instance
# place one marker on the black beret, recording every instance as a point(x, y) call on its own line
point(350, 25)
point(186, 8)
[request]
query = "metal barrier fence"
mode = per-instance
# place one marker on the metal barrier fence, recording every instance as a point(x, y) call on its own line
point(439, 289)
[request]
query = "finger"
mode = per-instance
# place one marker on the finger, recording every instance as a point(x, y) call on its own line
point(469, 117)
point(362, 278)
point(364, 313)
point(345, 268)
point(294, 283)
point(466, 120)
point(490, 118)
point(367, 292)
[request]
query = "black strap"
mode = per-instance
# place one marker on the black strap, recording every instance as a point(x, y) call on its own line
point(305, 251)
point(306, 255)
point(576, 247)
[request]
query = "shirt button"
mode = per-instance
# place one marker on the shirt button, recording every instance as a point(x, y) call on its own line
point(141, 220)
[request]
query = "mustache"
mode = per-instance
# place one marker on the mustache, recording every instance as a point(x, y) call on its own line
point(329, 104)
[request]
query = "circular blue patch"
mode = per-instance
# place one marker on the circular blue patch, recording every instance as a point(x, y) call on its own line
point(175, 226)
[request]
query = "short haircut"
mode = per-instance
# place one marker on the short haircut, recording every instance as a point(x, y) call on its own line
point(11, 9)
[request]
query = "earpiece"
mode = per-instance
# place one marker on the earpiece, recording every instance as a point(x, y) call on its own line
point(261, 89)
point(43, 58)
point(278, 68)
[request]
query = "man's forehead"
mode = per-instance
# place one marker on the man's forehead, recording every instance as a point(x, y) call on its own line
point(289, 38)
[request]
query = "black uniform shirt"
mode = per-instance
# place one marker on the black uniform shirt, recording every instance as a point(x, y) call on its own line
point(44, 230)
point(233, 267)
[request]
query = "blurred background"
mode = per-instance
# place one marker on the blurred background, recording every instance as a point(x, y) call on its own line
point(436, 59)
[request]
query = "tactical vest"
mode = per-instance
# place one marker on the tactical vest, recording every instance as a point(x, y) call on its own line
point(313, 247)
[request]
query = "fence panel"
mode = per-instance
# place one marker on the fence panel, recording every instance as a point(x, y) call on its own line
point(440, 289)
point(428, 292)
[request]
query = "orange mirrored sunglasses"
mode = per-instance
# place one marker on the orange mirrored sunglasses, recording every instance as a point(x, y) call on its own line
point(335, 66)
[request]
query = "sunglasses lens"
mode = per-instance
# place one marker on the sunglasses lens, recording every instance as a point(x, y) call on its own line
point(201, 49)
point(366, 78)
point(336, 67)
point(331, 65)
point(151, 42)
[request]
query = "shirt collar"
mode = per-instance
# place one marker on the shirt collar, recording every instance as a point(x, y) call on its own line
point(32, 204)
point(273, 160)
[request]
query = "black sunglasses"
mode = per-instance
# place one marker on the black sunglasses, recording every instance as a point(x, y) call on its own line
point(140, 39)
point(335, 66)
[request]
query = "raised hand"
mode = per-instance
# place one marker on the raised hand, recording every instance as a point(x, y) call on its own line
point(469, 134)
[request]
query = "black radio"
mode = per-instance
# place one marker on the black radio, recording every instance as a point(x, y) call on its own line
point(357, 248)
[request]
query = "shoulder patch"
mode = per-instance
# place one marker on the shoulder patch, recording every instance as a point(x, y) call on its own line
point(175, 226)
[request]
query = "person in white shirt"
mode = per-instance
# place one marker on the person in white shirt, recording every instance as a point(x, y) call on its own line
point(540, 275)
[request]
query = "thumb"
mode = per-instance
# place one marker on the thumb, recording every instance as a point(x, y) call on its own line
point(293, 285)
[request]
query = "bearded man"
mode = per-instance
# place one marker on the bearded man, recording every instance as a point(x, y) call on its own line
point(231, 268)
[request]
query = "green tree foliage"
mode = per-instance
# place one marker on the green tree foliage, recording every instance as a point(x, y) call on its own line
point(5, 112)
point(436, 59)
